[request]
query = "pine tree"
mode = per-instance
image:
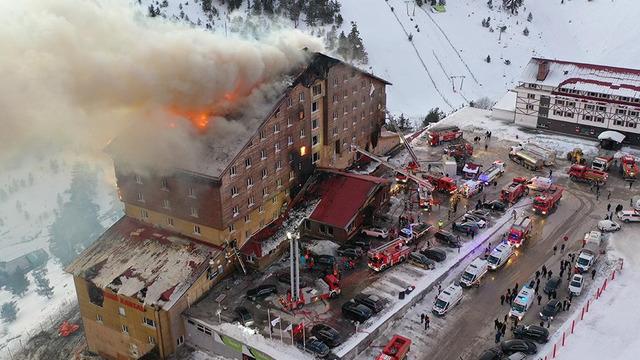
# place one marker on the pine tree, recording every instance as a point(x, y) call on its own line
point(488, 59)
point(419, 2)
point(9, 312)
point(206, 6)
point(530, 17)
point(490, 4)
point(152, 11)
point(525, 32)
point(433, 116)
point(358, 52)
point(257, 7)
point(343, 46)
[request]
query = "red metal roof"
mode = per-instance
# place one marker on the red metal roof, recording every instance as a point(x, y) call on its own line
point(342, 196)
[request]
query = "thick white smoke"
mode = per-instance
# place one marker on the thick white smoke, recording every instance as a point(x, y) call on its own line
point(79, 72)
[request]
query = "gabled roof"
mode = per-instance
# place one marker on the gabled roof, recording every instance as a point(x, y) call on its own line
point(342, 195)
point(136, 260)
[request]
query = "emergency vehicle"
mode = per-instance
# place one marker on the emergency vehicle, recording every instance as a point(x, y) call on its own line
point(440, 134)
point(520, 231)
point(388, 255)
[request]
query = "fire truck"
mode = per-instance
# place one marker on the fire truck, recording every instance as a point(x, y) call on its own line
point(582, 173)
point(440, 182)
point(322, 289)
point(460, 151)
point(388, 255)
point(492, 172)
point(602, 163)
point(513, 192)
point(548, 201)
point(520, 231)
point(628, 167)
point(396, 349)
point(440, 134)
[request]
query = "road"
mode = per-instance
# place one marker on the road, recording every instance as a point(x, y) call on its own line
point(469, 328)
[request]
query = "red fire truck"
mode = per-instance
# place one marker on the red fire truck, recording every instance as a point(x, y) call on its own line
point(462, 150)
point(547, 201)
point(629, 167)
point(442, 134)
point(514, 191)
point(583, 173)
point(396, 349)
point(520, 231)
point(388, 255)
point(326, 288)
point(441, 183)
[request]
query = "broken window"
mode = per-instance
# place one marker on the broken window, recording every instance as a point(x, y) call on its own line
point(96, 295)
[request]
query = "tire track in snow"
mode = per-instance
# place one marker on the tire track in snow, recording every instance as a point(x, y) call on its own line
point(419, 57)
point(450, 43)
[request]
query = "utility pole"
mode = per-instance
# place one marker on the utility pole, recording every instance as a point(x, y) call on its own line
point(413, 12)
point(453, 84)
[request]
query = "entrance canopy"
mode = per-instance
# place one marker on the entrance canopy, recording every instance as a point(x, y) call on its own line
point(611, 135)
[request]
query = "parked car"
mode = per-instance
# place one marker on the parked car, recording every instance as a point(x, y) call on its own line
point(491, 354)
point(516, 356)
point(482, 223)
point(376, 232)
point(575, 285)
point(363, 242)
point(315, 346)
point(552, 284)
point(535, 333)
point(629, 216)
point(243, 316)
point(495, 205)
point(285, 277)
point(350, 251)
point(608, 226)
point(327, 335)
point(481, 213)
point(373, 302)
point(357, 312)
point(261, 292)
point(447, 238)
point(518, 345)
point(551, 309)
point(435, 254)
point(325, 260)
point(466, 227)
point(422, 261)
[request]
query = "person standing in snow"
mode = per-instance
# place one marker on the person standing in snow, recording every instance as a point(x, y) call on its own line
point(539, 299)
point(498, 336)
point(593, 274)
point(421, 318)
point(555, 249)
point(426, 322)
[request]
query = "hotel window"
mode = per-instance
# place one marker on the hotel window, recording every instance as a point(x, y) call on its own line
point(251, 201)
point(618, 122)
point(530, 106)
point(247, 219)
point(149, 322)
point(194, 212)
point(559, 102)
point(261, 209)
point(335, 81)
point(602, 108)
point(599, 119)
point(531, 96)
point(99, 318)
point(289, 140)
point(140, 197)
point(344, 109)
point(262, 135)
point(335, 131)
point(277, 146)
point(232, 228)
point(264, 173)
point(335, 115)
point(335, 98)
point(263, 154)
point(621, 111)
point(301, 115)
point(265, 192)
point(631, 124)
point(125, 329)
point(317, 90)
point(234, 191)
point(144, 213)
point(589, 107)
point(568, 114)
point(301, 133)
point(289, 102)
point(122, 311)
point(571, 104)
point(164, 185)
point(355, 105)
point(236, 211)
point(314, 140)
point(170, 221)
point(291, 175)
point(289, 121)
point(316, 157)
point(301, 96)
point(587, 117)
point(152, 340)
point(247, 162)
point(232, 171)
point(196, 229)
point(276, 128)
point(249, 182)
point(138, 179)
point(633, 113)
point(278, 164)
point(191, 192)
point(314, 124)
point(314, 106)
point(166, 204)
point(593, 94)
point(279, 182)
point(180, 340)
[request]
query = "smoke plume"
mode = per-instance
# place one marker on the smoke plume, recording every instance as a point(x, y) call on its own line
point(78, 73)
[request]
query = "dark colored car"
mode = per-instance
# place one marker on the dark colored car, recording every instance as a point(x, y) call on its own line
point(243, 316)
point(350, 251)
point(422, 261)
point(491, 354)
point(315, 346)
point(552, 284)
point(261, 291)
point(447, 238)
point(509, 347)
point(438, 255)
point(373, 302)
point(285, 277)
point(357, 312)
point(550, 310)
point(362, 242)
point(481, 213)
point(465, 227)
point(495, 205)
point(535, 333)
point(327, 335)
point(325, 260)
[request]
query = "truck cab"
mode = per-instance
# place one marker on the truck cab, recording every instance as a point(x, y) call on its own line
point(602, 163)
point(474, 272)
point(520, 231)
point(440, 134)
point(499, 256)
point(447, 299)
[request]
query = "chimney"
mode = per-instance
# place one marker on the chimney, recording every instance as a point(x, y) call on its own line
point(543, 70)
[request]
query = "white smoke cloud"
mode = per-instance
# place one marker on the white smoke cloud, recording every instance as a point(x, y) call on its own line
point(78, 72)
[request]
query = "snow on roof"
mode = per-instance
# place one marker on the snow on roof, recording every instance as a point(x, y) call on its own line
point(342, 195)
point(136, 260)
point(507, 102)
point(611, 135)
point(587, 77)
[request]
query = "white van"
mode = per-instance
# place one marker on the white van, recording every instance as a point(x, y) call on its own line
point(594, 237)
point(474, 273)
point(629, 216)
point(500, 255)
point(522, 302)
point(447, 299)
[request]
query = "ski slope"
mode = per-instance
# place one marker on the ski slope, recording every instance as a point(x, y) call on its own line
point(455, 44)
